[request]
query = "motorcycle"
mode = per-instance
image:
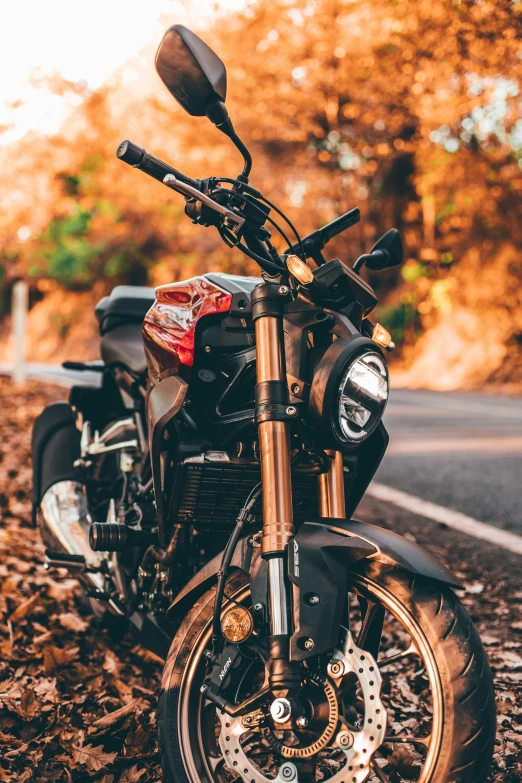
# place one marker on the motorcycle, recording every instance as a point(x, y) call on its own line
point(203, 491)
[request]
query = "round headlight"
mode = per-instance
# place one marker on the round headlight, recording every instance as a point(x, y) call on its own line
point(349, 392)
point(363, 394)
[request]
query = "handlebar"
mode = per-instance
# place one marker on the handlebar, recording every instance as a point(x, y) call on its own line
point(139, 158)
point(340, 224)
point(238, 219)
point(315, 242)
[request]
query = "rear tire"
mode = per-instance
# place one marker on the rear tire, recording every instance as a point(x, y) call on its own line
point(454, 657)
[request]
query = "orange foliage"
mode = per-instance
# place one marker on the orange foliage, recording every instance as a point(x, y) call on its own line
point(410, 111)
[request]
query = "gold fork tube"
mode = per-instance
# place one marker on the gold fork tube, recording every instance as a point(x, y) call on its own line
point(269, 350)
point(274, 443)
point(331, 488)
point(278, 520)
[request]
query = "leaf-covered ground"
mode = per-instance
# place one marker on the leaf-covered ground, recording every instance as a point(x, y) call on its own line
point(78, 705)
point(75, 704)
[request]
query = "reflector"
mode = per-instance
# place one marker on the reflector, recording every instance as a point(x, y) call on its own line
point(237, 624)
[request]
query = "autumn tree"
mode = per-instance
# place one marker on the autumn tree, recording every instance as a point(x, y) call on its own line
point(410, 111)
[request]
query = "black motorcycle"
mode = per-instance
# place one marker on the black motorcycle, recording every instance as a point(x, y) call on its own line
point(203, 495)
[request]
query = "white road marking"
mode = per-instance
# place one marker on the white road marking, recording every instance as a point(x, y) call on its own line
point(475, 446)
point(502, 411)
point(447, 516)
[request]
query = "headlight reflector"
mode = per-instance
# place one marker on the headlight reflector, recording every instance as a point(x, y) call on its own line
point(363, 394)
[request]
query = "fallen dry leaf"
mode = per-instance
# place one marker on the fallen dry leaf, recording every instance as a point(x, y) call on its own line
point(62, 591)
point(93, 757)
point(46, 689)
point(54, 657)
point(25, 608)
point(137, 742)
point(73, 622)
point(114, 717)
point(400, 758)
point(131, 775)
point(111, 663)
point(147, 655)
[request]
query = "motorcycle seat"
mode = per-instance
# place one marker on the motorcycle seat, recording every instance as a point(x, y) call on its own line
point(126, 304)
point(123, 345)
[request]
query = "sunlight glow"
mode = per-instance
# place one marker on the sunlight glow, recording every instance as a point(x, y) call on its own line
point(84, 43)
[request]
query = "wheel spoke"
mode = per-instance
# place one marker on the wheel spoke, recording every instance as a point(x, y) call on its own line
point(215, 762)
point(402, 738)
point(383, 777)
point(369, 637)
point(411, 650)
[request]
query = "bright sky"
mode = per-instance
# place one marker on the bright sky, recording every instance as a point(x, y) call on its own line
point(83, 41)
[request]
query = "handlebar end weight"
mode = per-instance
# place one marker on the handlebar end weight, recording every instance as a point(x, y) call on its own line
point(130, 153)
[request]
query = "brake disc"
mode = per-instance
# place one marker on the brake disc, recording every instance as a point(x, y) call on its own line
point(358, 746)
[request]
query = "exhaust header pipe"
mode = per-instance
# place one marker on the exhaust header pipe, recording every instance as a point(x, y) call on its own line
point(65, 527)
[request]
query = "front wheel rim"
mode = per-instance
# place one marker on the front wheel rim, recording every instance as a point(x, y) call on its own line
point(198, 765)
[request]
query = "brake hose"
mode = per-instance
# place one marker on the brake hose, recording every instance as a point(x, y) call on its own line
point(243, 516)
point(265, 264)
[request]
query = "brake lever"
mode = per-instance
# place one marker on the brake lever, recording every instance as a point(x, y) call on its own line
point(231, 220)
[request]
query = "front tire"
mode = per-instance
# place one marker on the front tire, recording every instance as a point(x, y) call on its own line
point(463, 727)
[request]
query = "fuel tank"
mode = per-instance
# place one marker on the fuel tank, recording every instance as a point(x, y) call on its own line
point(171, 325)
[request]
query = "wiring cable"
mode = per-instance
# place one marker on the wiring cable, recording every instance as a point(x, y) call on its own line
point(243, 516)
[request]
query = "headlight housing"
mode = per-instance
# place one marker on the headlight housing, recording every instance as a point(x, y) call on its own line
point(349, 392)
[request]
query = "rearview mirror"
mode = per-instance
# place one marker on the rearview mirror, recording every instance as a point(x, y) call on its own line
point(387, 252)
point(193, 74)
point(196, 77)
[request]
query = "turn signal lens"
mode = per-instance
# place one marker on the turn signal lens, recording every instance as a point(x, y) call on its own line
point(237, 624)
point(300, 270)
point(381, 336)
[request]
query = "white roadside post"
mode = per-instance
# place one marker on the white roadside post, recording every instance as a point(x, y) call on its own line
point(20, 306)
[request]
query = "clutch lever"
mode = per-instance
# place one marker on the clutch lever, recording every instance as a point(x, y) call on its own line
point(231, 220)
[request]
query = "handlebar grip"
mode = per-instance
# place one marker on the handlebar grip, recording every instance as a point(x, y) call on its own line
point(141, 159)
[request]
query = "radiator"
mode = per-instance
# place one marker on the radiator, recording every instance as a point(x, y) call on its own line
point(209, 495)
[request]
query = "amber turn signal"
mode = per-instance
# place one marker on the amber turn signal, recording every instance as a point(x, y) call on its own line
point(381, 336)
point(298, 269)
point(237, 624)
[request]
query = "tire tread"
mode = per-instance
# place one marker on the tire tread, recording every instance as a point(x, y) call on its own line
point(469, 726)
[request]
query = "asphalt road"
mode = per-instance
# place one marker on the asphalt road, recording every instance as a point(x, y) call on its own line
point(459, 450)
point(54, 373)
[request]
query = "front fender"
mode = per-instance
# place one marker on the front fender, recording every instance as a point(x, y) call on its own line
point(320, 557)
point(319, 560)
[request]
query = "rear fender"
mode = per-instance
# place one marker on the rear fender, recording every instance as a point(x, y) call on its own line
point(55, 447)
point(320, 558)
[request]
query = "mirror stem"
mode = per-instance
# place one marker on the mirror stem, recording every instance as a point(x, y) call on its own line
point(360, 262)
point(374, 254)
point(247, 157)
point(218, 114)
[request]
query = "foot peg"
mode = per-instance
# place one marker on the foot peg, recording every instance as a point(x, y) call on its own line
point(116, 537)
point(63, 560)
